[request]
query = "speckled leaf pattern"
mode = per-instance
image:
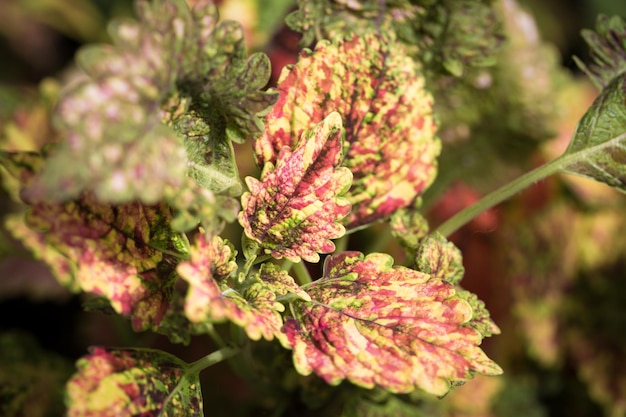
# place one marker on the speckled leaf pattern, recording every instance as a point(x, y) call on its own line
point(392, 327)
point(115, 251)
point(211, 298)
point(390, 144)
point(435, 33)
point(295, 208)
point(598, 149)
point(440, 258)
point(133, 382)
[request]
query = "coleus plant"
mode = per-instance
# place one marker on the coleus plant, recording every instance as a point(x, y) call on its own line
point(131, 205)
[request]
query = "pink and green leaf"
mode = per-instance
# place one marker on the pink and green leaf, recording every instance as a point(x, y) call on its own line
point(133, 382)
point(254, 306)
point(115, 251)
point(295, 208)
point(390, 145)
point(392, 327)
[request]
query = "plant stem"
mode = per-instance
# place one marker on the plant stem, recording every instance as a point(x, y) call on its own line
point(213, 358)
point(302, 274)
point(467, 214)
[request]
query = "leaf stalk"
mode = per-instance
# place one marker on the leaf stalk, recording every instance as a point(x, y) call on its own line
point(495, 197)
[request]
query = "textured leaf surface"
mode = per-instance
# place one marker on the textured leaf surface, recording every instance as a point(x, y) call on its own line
point(131, 383)
point(449, 34)
point(293, 211)
point(607, 49)
point(392, 327)
point(598, 149)
point(210, 298)
point(115, 251)
point(390, 144)
point(163, 101)
point(440, 259)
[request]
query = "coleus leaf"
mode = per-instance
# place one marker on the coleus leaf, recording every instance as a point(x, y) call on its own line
point(598, 149)
point(449, 34)
point(390, 144)
point(253, 306)
point(379, 325)
point(127, 118)
point(133, 382)
point(607, 49)
point(440, 258)
point(293, 211)
point(120, 252)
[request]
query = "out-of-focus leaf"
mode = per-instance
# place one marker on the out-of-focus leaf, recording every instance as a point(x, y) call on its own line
point(294, 210)
point(607, 46)
point(390, 144)
point(598, 148)
point(210, 298)
point(163, 102)
point(116, 251)
point(447, 35)
point(133, 382)
point(592, 322)
point(493, 119)
point(392, 327)
point(30, 377)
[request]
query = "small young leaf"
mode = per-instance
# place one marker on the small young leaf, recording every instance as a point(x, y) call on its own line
point(607, 49)
point(133, 382)
point(598, 149)
point(293, 210)
point(440, 259)
point(392, 327)
point(253, 306)
point(408, 227)
point(390, 145)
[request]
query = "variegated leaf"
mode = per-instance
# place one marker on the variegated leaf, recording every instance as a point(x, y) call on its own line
point(293, 211)
point(253, 307)
point(392, 327)
point(390, 144)
point(115, 251)
point(133, 382)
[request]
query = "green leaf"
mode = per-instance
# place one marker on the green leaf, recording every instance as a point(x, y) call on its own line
point(252, 305)
point(392, 327)
point(162, 102)
point(607, 49)
point(293, 211)
point(133, 382)
point(390, 145)
point(446, 35)
point(598, 149)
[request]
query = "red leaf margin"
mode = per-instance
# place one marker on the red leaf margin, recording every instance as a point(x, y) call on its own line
point(379, 325)
point(295, 209)
point(391, 145)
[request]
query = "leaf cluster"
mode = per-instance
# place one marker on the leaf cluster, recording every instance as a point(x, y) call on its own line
point(130, 199)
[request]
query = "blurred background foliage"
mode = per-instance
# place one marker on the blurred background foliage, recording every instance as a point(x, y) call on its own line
point(549, 263)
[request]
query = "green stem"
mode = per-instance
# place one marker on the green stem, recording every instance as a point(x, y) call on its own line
point(212, 358)
point(341, 244)
point(467, 214)
point(302, 274)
